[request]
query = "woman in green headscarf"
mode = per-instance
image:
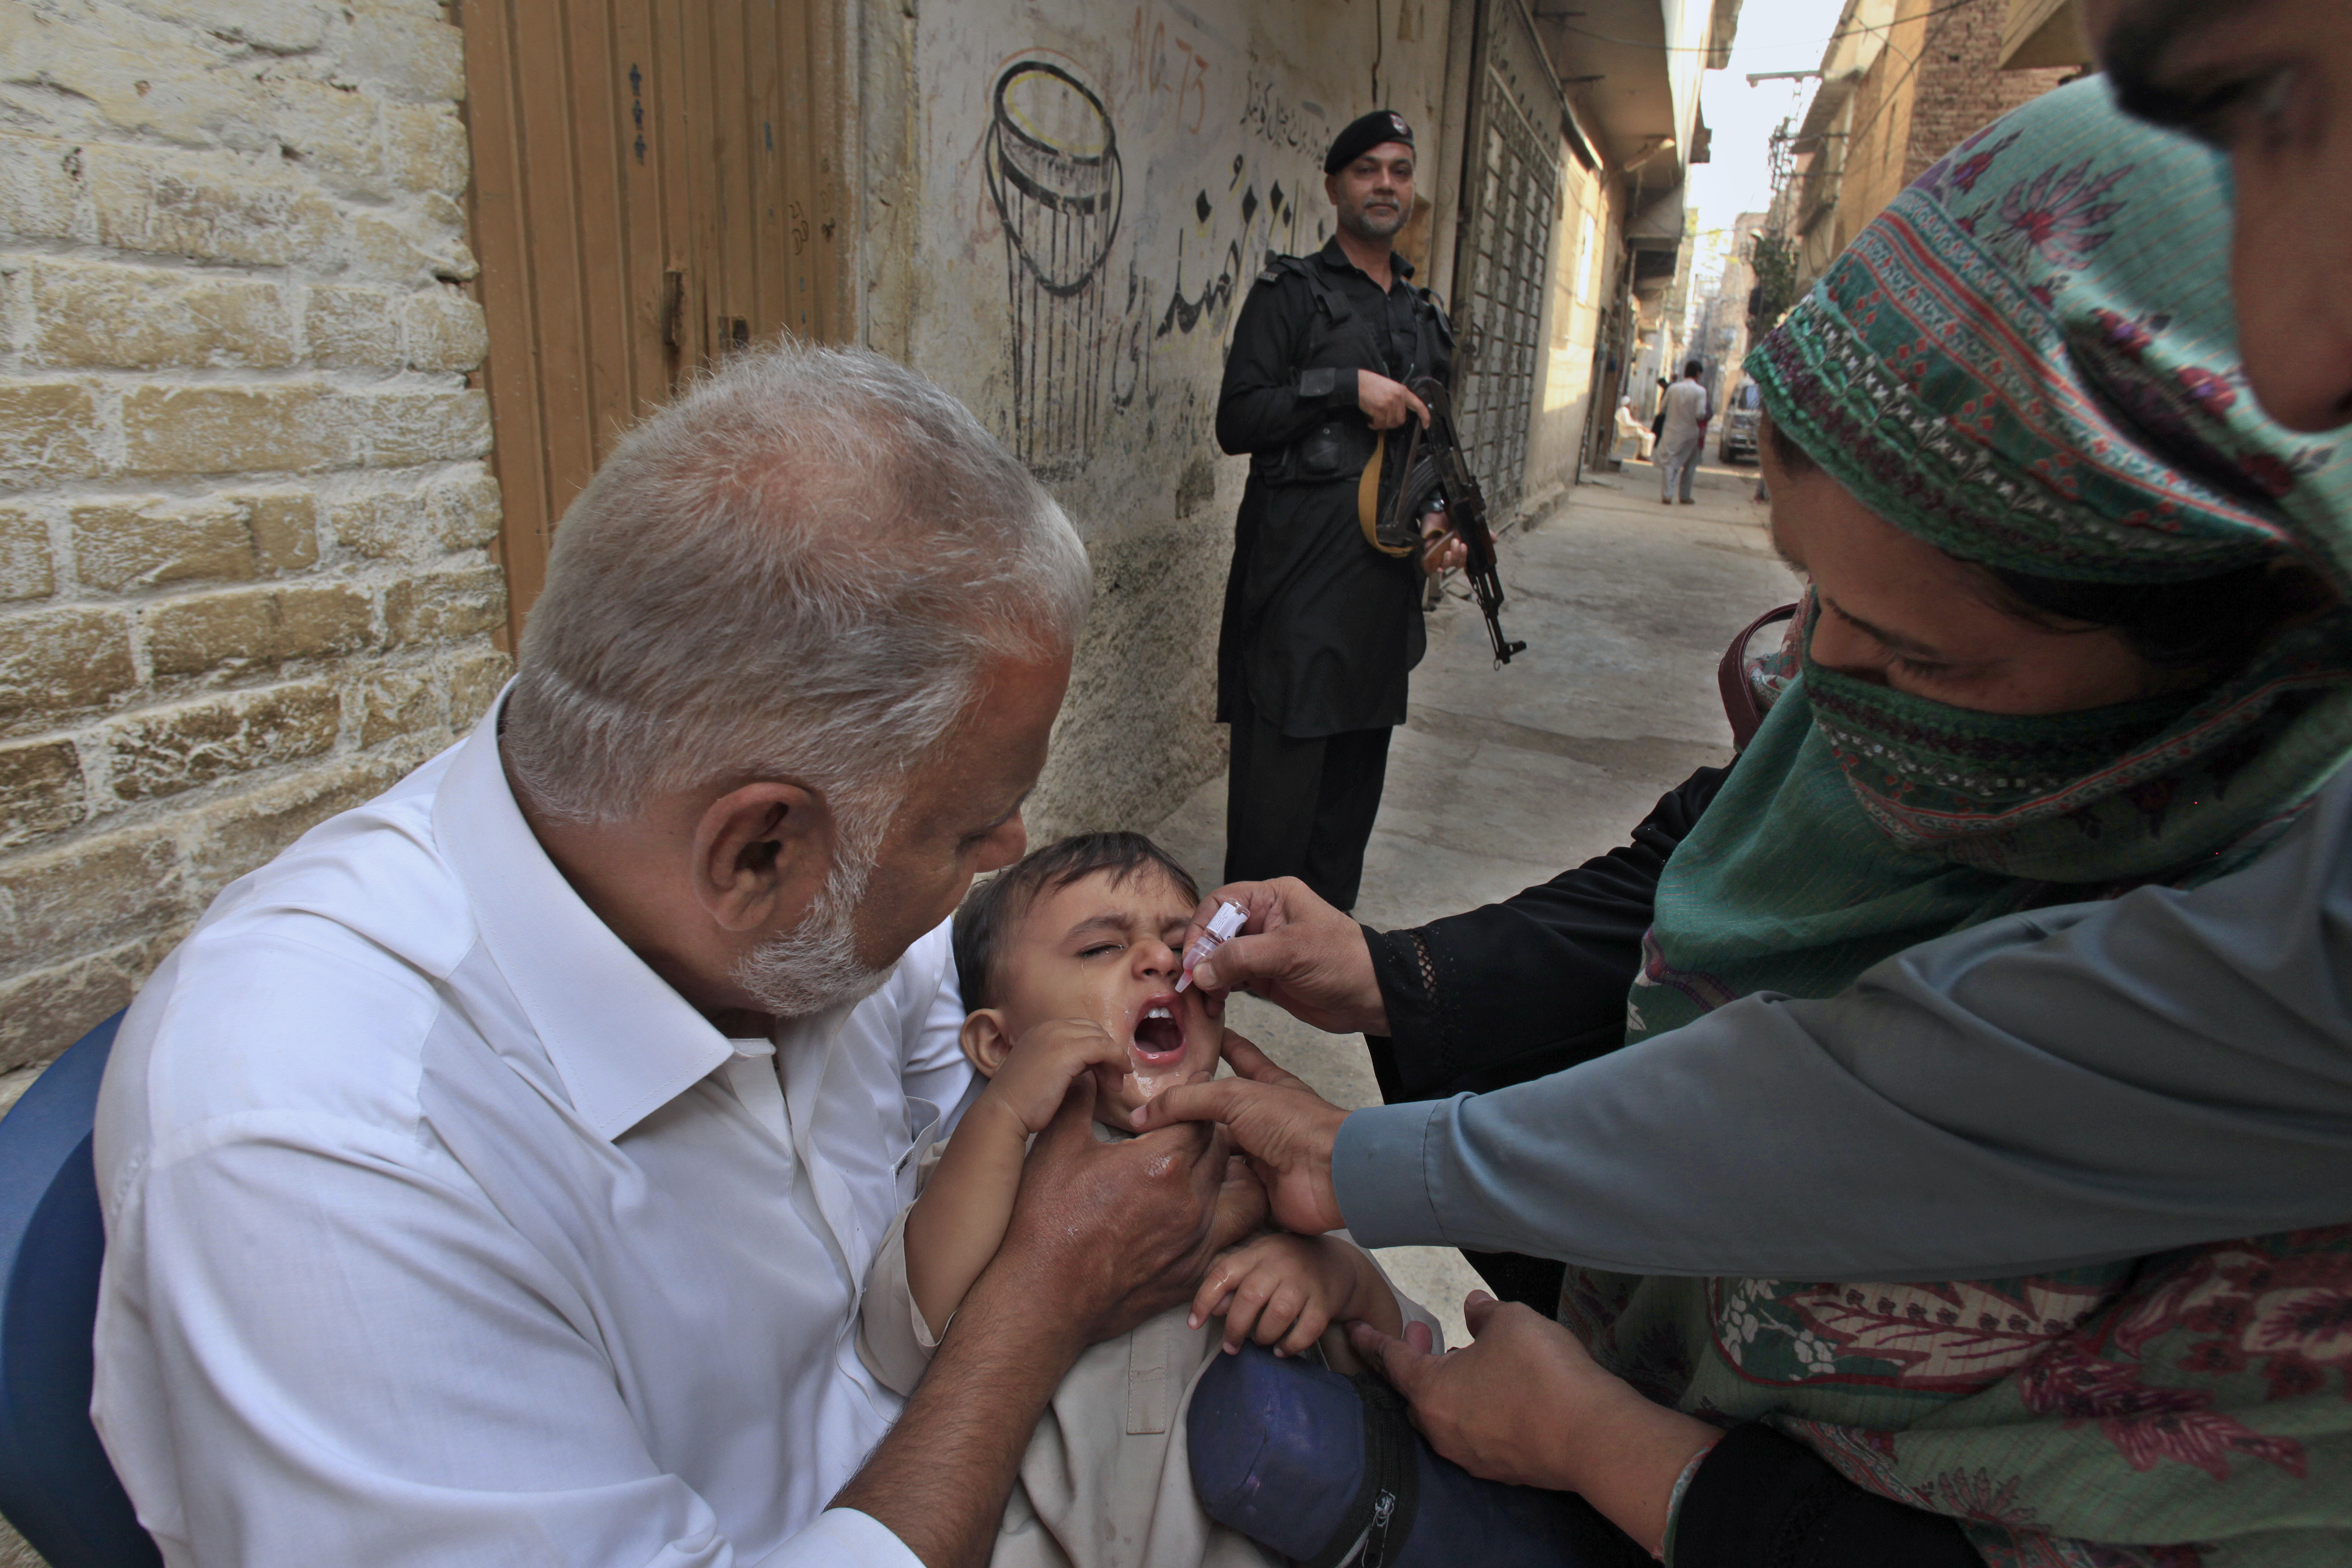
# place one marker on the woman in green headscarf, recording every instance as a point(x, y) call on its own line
point(2074, 625)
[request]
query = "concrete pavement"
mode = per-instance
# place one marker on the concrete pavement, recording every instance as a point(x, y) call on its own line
point(1502, 778)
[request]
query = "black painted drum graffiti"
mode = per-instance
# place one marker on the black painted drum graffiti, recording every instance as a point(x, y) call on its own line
point(1053, 169)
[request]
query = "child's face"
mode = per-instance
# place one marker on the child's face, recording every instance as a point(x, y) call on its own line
point(1105, 950)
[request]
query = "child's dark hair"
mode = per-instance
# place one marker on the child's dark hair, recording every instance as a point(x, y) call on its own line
point(990, 911)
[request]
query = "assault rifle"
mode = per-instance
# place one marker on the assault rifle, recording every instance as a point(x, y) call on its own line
point(1437, 479)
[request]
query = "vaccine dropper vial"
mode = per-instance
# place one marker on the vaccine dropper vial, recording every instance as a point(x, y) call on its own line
point(1223, 926)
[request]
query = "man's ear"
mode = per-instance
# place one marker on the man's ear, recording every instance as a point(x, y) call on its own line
point(762, 855)
point(985, 1040)
point(1331, 189)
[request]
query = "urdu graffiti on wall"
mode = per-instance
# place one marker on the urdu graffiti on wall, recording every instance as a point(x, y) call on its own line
point(1278, 233)
point(1228, 158)
point(1273, 118)
point(1054, 173)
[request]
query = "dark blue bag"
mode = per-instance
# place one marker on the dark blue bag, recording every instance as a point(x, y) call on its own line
point(1329, 1472)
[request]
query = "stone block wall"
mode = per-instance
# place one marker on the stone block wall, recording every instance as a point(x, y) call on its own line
point(245, 520)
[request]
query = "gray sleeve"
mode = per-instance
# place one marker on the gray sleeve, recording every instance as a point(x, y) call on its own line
point(2076, 1085)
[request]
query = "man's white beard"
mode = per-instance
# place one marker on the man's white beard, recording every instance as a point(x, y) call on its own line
point(814, 966)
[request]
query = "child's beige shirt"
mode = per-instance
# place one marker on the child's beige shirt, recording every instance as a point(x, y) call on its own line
point(1104, 1482)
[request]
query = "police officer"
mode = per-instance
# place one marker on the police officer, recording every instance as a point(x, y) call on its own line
point(1322, 619)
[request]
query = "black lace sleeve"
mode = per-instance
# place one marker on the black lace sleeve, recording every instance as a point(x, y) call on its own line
point(1536, 984)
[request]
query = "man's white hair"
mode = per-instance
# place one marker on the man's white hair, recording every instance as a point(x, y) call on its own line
point(799, 569)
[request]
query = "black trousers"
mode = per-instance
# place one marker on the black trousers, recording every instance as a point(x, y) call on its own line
point(1302, 808)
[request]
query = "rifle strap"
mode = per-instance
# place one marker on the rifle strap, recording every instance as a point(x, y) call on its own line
point(1368, 500)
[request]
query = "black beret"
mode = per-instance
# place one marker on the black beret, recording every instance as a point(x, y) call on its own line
point(1362, 135)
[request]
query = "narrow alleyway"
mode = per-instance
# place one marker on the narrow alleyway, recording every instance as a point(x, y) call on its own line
point(1502, 778)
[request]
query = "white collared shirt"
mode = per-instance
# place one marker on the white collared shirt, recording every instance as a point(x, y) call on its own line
point(440, 1230)
point(1686, 409)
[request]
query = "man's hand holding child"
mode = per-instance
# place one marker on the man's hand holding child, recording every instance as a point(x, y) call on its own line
point(1283, 1290)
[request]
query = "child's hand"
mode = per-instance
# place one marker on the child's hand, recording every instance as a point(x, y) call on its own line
point(1286, 1288)
point(1038, 1070)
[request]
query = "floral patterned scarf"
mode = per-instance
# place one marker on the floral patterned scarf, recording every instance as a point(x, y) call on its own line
point(2028, 360)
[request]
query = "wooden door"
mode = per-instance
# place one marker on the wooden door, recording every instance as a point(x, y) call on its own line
point(655, 182)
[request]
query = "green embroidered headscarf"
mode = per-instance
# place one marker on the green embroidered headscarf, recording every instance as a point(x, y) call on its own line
point(2028, 360)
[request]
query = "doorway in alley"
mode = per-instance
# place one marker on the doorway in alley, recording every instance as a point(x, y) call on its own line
point(656, 182)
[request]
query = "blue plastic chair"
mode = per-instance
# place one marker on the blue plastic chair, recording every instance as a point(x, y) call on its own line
point(55, 1486)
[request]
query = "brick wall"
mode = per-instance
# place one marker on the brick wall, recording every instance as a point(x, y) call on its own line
point(1962, 87)
point(1879, 136)
point(1938, 81)
point(243, 515)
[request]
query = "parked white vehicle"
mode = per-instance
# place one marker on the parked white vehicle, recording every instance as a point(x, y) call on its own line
point(1738, 442)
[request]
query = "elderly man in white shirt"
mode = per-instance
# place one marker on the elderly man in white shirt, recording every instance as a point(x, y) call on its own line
point(491, 1178)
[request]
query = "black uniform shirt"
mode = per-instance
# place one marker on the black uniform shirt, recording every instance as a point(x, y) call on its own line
point(1319, 629)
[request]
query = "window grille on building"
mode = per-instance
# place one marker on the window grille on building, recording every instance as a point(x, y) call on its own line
point(1513, 180)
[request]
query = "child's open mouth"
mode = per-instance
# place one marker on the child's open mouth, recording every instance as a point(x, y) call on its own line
point(1158, 1034)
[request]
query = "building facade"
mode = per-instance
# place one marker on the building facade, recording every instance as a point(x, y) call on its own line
point(1902, 83)
point(1718, 317)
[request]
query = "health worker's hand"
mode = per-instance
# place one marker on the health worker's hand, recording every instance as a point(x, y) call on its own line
point(1296, 951)
point(1525, 1403)
point(1388, 404)
point(1038, 1071)
point(1282, 1127)
point(1104, 1235)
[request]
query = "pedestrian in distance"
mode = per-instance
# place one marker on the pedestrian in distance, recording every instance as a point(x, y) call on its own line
point(1683, 414)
